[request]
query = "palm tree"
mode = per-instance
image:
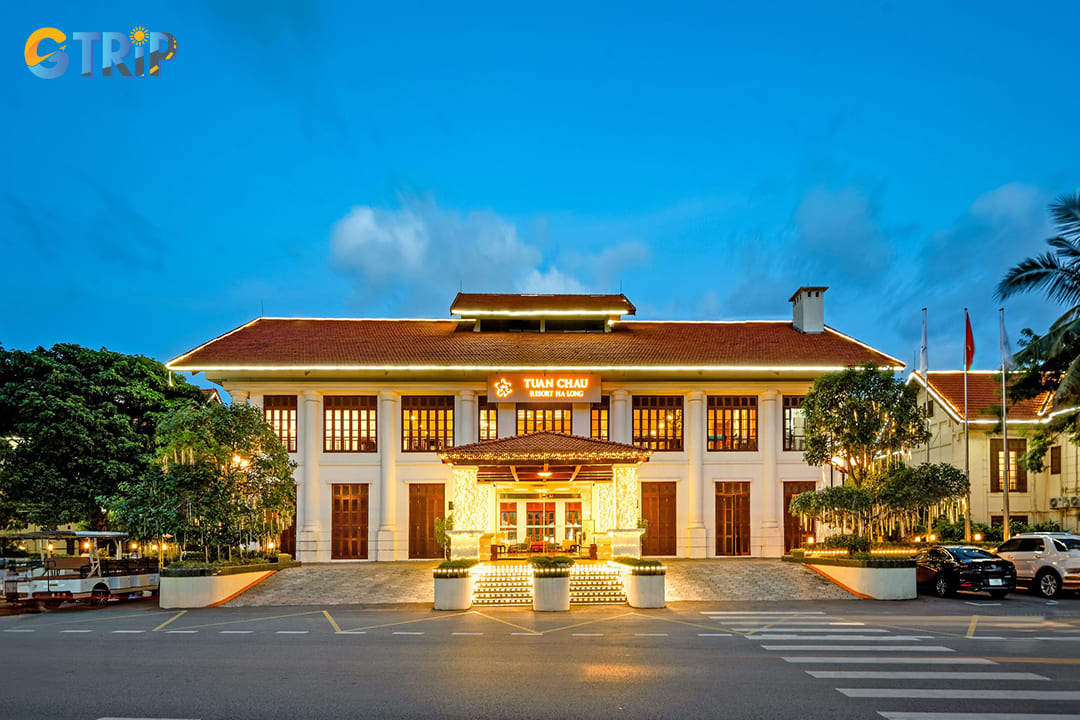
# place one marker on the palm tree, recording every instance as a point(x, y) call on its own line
point(1054, 358)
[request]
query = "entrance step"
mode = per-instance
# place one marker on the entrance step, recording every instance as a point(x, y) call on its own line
point(511, 585)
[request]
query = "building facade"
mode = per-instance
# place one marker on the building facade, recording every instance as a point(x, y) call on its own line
point(538, 418)
point(1033, 497)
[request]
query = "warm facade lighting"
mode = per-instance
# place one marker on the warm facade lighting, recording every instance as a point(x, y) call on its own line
point(978, 537)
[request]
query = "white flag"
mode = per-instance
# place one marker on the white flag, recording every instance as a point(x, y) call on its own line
point(1006, 350)
point(923, 365)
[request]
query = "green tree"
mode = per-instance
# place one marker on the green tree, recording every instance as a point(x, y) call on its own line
point(223, 479)
point(1051, 362)
point(77, 423)
point(861, 415)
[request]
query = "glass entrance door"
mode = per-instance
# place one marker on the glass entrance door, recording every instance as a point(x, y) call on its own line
point(540, 522)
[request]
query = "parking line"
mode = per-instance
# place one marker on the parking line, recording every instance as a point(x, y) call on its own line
point(235, 632)
point(403, 632)
point(530, 634)
point(587, 634)
point(466, 633)
point(76, 631)
point(973, 716)
point(920, 675)
point(650, 634)
point(842, 660)
point(291, 632)
point(20, 630)
point(714, 634)
point(168, 621)
point(128, 632)
point(333, 623)
point(862, 648)
point(181, 632)
point(351, 632)
point(962, 694)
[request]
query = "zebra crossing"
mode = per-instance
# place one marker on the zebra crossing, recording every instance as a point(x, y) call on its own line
point(912, 676)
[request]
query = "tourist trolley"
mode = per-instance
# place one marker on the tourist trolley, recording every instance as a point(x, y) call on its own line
point(91, 577)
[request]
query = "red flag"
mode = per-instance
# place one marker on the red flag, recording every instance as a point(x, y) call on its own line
point(969, 343)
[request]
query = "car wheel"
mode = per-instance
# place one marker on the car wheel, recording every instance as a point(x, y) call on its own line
point(1047, 583)
point(942, 588)
point(998, 594)
point(99, 597)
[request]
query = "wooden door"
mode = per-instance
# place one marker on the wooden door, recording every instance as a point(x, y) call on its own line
point(795, 533)
point(732, 518)
point(426, 502)
point(658, 508)
point(349, 522)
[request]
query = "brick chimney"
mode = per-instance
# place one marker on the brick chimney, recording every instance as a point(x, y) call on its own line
point(808, 309)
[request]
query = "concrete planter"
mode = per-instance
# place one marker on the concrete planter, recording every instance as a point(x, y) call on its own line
point(551, 594)
point(207, 591)
point(453, 593)
point(869, 579)
point(643, 591)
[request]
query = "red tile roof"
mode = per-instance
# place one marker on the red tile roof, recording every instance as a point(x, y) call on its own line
point(278, 343)
point(984, 393)
point(544, 447)
point(496, 303)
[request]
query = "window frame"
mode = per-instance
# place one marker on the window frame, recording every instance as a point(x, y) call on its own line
point(790, 404)
point(365, 409)
point(600, 419)
point(523, 411)
point(646, 411)
point(491, 409)
point(437, 408)
point(730, 407)
point(288, 405)
point(1018, 482)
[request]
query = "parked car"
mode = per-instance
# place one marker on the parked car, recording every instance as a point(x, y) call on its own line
point(945, 569)
point(1048, 562)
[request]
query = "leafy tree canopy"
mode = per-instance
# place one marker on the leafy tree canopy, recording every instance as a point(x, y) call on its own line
point(77, 422)
point(861, 414)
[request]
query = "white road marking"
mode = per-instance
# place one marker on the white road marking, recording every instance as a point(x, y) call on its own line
point(350, 632)
point(842, 660)
point(714, 634)
point(962, 694)
point(747, 614)
point(20, 630)
point(235, 632)
point(931, 675)
point(410, 632)
point(464, 633)
point(862, 648)
point(181, 632)
point(128, 632)
point(981, 604)
point(587, 634)
point(974, 716)
point(650, 634)
point(784, 628)
point(292, 632)
point(531, 634)
point(76, 631)
point(987, 637)
point(126, 718)
point(1051, 638)
point(888, 638)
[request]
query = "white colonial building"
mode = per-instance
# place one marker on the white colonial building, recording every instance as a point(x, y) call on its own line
point(545, 419)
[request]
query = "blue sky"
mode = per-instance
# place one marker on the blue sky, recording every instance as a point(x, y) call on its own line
point(344, 159)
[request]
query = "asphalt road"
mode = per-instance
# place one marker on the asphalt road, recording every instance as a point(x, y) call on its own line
point(928, 659)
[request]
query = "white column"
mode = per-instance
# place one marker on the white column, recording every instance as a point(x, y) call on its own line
point(582, 419)
point(389, 421)
point(239, 397)
point(772, 538)
point(507, 420)
point(621, 417)
point(310, 545)
point(695, 445)
point(466, 421)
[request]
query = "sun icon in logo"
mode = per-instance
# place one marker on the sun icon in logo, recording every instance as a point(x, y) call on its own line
point(503, 388)
point(139, 36)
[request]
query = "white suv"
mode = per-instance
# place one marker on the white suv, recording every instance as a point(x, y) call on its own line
point(1048, 561)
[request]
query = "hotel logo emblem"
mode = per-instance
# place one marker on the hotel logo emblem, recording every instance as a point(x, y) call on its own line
point(503, 388)
point(46, 57)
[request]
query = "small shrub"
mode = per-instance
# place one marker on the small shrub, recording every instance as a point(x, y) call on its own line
point(457, 564)
point(851, 543)
point(545, 562)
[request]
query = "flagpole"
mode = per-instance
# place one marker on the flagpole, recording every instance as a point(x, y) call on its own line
point(967, 446)
point(925, 365)
point(1005, 432)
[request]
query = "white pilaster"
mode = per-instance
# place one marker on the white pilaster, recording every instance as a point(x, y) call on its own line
point(621, 417)
point(772, 538)
point(466, 421)
point(582, 419)
point(239, 397)
point(312, 543)
point(388, 432)
point(507, 420)
point(697, 534)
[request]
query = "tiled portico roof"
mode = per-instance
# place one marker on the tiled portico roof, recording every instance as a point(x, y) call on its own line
point(467, 304)
point(338, 344)
point(984, 393)
point(544, 447)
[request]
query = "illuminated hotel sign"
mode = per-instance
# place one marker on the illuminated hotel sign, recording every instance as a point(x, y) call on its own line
point(544, 388)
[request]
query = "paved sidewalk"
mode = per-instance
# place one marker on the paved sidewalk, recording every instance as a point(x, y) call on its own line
point(410, 582)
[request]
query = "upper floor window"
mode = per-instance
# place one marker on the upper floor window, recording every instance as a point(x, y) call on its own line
point(1017, 474)
point(794, 423)
point(658, 422)
point(280, 412)
point(488, 412)
point(601, 416)
point(349, 423)
point(929, 407)
point(1055, 460)
point(427, 423)
point(554, 417)
point(732, 422)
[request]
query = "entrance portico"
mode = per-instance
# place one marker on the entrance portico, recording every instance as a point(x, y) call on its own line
point(548, 491)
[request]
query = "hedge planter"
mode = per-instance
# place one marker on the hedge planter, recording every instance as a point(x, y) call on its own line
point(551, 592)
point(870, 579)
point(453, 592)
point(643, 591)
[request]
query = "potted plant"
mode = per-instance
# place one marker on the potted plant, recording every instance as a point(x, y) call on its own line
point(551, 583)
point(454, 585)
point(643, 581)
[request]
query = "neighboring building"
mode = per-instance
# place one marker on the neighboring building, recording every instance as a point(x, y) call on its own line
point(695, 426)
point(1053, 494)
point(211, 395)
